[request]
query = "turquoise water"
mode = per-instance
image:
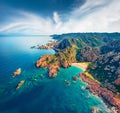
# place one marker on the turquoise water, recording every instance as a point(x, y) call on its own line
point(39, 94)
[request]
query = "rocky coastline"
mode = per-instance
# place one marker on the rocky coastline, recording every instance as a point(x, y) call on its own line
point(49, 45)
point(54, 62)
point(107, 95)
point(81, 65)
point(44, 62)
point(68, 54)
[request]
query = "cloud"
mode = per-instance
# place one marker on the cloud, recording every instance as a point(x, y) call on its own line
point(57, 19)
point(93, 16)
point(96, 16)
point(28, 24)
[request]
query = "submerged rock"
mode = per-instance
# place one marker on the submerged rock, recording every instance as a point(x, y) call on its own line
point(32, 47)
point(67, 82)
point(95, 109)
point(75, 78)
point(42, 76)
point(17, 72)
point(20, 84)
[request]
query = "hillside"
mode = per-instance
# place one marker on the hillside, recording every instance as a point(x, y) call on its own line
point(80, 42)
point(107, 67)
point(103, 36)
point(101, 49)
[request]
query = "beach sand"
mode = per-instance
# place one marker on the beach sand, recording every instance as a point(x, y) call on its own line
point(82, 65)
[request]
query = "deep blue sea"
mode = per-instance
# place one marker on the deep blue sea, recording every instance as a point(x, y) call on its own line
point(39, 93)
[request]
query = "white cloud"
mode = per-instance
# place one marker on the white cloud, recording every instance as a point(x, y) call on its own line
point(56, 18)
point(93, 16)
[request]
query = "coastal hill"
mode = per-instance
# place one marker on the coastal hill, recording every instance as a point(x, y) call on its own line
point(101, 50)
point(107, 67)
point(78, 40)
point(103, 36)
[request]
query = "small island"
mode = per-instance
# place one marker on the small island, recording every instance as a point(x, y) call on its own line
point(17, 72)
point(20, 84)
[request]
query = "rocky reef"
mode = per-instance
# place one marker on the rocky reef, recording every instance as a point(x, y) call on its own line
point(20, 84)
point(75, 78)
point(95, 110)
point(17, 72)
point(107, 95)
point(53, 69)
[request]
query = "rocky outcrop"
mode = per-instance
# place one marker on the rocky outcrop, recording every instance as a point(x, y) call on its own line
point(53, 69)
point(44, 47)
point(42, 61)
point(75, 78)
point(20, 84)
point(67, 82)
point(54, 62)
point(17, 72)
point(95, 110)
point(66, 64)
point(107, 95)
point(47, 61)
point(51, 44)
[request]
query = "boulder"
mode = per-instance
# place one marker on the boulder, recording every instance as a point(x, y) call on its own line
point(75, 78)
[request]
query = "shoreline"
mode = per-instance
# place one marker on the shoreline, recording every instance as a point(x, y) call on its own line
point(82, 65)
point(95, 88)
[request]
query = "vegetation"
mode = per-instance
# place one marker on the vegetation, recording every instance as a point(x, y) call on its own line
point(101, 49)
point(107, 67)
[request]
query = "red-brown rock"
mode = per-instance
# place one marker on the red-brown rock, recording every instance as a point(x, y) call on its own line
point(107, 95)
point(75, 78)
point(53, 69)
point(17, 72)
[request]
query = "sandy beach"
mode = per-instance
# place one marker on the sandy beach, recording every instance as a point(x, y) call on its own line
point(82, 65)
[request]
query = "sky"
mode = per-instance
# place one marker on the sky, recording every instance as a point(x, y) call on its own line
point(59, 16)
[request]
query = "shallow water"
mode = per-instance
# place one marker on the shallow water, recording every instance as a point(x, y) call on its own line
point(39, 94)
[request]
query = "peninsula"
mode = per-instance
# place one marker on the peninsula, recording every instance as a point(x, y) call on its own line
point(101, 51)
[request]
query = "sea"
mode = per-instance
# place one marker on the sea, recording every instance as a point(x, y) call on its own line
point(39, 93)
